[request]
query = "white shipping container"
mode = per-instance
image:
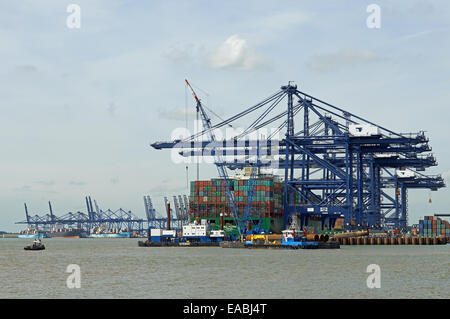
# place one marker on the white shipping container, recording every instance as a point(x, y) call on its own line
point(385, 155)
point(217, 233)
point(195, 230)
point(171, 232)
point(156, 232)
point(404, 173)
point(363, 130)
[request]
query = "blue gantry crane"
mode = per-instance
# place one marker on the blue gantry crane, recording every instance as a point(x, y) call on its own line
point(112, 219)
point(156, 220)
point(338, 163)
point(247, 220)
point(218, 158)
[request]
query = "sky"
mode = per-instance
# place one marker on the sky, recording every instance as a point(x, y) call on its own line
point(80, 106)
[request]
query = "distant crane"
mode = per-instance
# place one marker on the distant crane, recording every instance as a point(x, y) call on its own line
point(118, 219)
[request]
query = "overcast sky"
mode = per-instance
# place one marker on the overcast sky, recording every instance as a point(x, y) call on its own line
point(79, 107)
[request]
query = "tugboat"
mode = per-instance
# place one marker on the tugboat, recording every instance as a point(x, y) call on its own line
point(37, 245)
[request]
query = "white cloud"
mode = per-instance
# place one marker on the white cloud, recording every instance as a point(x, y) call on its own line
point(415, 35)
point(282, 21)
point(178, 114)
point(26, 68)
point(342, 58)
point(422, 33)
point(76, 183)
point(183, 52)
point(112, 108)
point(24, 188)
point(235, 53)
point(446, 175)
point(46, 183)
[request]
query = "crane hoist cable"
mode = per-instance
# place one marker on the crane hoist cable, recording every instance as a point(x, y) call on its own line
point(206, 107)
point(220, 168)
point(233, 118)
point(355, 116)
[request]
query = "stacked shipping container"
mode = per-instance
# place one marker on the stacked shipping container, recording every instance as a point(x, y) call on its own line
point(209, 198)
point(432, 226)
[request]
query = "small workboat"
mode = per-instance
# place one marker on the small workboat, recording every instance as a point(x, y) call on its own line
point(34, 247)
point(37, 245)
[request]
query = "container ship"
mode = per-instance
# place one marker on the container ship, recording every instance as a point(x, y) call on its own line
point(101, 232)
point(208, 199)
point(31, 232)
point(59, 231)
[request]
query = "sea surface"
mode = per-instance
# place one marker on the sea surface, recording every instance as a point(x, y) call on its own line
point(118, 268)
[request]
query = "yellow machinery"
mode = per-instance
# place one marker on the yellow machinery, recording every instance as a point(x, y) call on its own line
point(264, 239)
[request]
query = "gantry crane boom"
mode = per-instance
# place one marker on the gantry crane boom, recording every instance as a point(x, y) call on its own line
point(220, 168)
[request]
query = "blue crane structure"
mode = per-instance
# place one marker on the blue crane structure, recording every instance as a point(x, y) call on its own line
point(155, 220)
point(118, 219)
point(338, 163)
point(218, 159)
point(249, 213)
point(111, 219)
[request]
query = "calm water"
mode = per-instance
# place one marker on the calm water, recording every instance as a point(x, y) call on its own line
point(118, 268)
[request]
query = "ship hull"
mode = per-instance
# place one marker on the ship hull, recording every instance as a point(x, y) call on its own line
point(32, 236)
point(67, 234)
point(64, 237)
point(119, 235)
